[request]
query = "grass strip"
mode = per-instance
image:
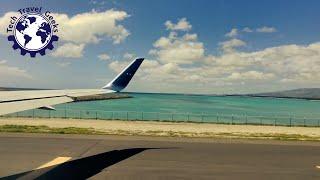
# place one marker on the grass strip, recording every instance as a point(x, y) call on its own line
point(92, 131)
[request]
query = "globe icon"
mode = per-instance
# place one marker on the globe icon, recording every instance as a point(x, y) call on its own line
point(32, 32)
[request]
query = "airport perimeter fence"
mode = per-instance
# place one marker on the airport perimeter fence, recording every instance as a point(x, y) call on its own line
point(274, 120)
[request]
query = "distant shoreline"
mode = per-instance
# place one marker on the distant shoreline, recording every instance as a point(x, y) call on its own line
point(279, 97)
point(303, 93)
point(228, 95)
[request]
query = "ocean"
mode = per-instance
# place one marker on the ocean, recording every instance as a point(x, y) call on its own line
point(191, 108)
point(198, 104)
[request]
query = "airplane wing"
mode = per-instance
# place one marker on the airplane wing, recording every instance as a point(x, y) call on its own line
point(15, 101)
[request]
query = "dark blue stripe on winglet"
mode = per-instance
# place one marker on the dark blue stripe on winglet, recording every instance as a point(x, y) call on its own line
point(123, 79)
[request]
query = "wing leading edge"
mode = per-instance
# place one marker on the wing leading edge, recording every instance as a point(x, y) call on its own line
point(15, 101)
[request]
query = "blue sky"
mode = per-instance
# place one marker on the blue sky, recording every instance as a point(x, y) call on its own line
point(281, 36)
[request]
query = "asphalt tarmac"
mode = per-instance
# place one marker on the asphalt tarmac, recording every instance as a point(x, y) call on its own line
point(41, 156)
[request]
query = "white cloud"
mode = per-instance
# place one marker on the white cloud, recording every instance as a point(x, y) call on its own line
point(250, 75)
point(182, 25)
point(178, 63)
point(156, 74)
point(232, 33)
point(63, 64)
point(230, 61)
point(247, 29)
point(178, 49)
point(104, 57)
point(69, 50)
point(147, 64)
point(296, 63)
point(5, 21)
point(90, 27)
point(266, 29)
point(190, 37)
point(78, 30)
point(129, 56)
point(162, 42)
point(173, 52)
point(275, 66)
point(117, 66)
point(230, 45)
point(270, 67)
point(8, 73)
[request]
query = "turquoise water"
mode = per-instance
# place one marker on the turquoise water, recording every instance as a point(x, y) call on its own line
point(199, 104)
point(191, 108)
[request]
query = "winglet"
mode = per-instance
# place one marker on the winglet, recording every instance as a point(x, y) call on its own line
point(123, 79)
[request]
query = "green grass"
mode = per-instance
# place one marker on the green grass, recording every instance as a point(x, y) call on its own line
point(46, 129)
point(92, 131)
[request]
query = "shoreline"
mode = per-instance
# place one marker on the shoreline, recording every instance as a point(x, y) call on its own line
point(237, 95)
point(275, 97)
point(162, 129)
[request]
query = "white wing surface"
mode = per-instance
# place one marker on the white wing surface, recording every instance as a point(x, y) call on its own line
point(15, 101)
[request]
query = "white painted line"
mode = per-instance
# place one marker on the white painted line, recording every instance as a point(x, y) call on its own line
point(58, 160)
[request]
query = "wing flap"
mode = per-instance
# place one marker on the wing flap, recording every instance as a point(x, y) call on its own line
point(15, 101)
point(9, 96)
point(15, 106)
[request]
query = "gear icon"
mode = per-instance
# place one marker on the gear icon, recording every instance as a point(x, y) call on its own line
point(42, 51)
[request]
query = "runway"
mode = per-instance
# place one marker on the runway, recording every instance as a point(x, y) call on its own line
point(30, 156)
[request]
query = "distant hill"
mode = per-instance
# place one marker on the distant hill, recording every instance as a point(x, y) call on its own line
point(304, 93)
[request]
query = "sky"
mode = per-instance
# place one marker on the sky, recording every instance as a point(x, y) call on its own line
point(190, 46)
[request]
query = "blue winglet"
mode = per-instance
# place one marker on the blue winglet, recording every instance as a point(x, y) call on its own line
point(123, 79)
